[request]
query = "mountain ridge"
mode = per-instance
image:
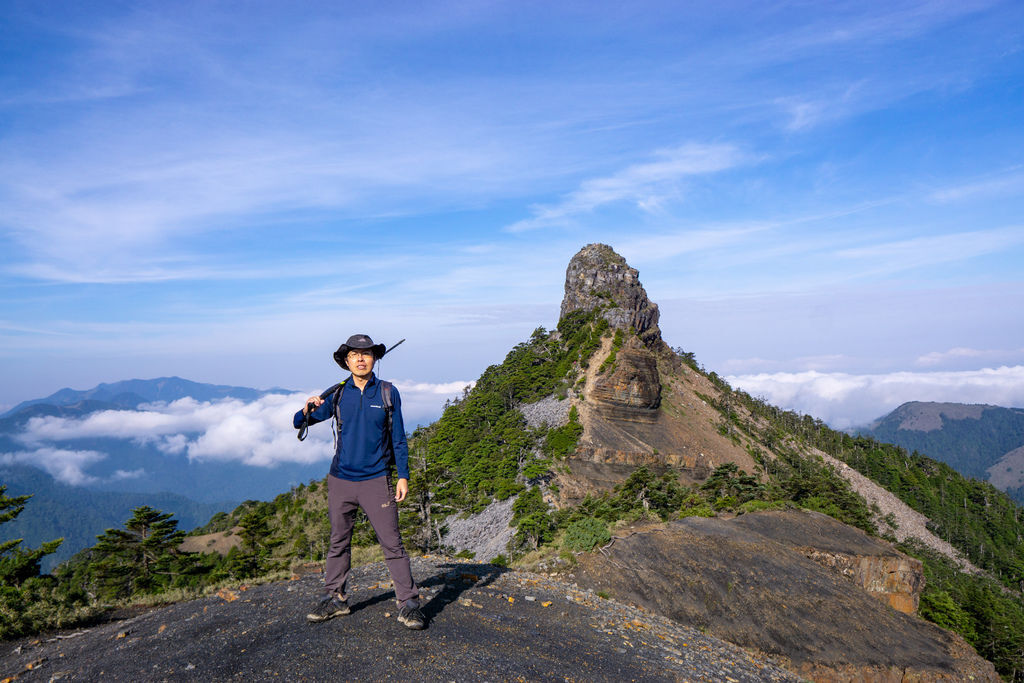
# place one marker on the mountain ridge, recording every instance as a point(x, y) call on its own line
point(978, 440)
point(621, 431)
point(133, 392)
point(630, 399)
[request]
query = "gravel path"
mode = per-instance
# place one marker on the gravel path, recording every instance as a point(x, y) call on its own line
point(485, 624)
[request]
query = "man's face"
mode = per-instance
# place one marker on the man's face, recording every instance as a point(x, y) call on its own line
point(360, 362)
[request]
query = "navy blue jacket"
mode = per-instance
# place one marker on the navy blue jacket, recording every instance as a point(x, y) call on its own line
point(360, 453)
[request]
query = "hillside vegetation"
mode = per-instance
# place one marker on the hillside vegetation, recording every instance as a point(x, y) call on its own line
point(49, 512)
point(482, 450)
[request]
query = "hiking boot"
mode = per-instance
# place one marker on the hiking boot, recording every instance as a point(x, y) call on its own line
point(412, 618)
point(328, 608)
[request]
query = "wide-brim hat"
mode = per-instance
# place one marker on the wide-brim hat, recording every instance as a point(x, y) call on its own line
point(357, 341)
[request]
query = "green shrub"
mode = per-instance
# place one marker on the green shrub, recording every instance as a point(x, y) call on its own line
point(822, 505)
point(697, 511)
point(609, 362)
point(473, 454)
point(561, 441)
point(695, 506)
point(531, 518)
point(761, 505)
point(536, 469)
point(724, 503)
point(584, 534)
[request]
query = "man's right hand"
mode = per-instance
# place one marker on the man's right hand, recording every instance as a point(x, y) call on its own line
point(315, 400)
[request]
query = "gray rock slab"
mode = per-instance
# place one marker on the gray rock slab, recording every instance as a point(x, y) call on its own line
point(480, 628)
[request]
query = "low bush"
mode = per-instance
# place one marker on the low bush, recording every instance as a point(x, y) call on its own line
point(584, 534)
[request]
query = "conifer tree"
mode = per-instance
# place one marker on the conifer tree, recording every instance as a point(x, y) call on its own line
point(16, 563)
point(28, 602)
point(137, 558)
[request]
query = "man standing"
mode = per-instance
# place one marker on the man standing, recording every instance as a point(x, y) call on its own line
point(365, 408)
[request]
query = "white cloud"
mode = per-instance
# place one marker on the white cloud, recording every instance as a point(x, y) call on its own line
point(251, 436)
point(184, 415)
point(844, 400)
point(962, 354)
point(173, 444)
point(756, 365)
point(422, 402)
point(802, 113)
point(257, 433)
point(126, 474)
point(930, 250)
point(646, 185)
point(64, 465)
point(805, 113)
point(671, 245)
point(1010, 183)
point(940, 357)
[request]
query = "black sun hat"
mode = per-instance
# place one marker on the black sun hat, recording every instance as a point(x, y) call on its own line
point(357, 341)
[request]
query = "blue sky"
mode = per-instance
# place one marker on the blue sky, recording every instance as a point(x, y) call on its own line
point(825, 199)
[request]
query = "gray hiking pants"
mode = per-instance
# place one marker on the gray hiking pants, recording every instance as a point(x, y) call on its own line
point(377, 499)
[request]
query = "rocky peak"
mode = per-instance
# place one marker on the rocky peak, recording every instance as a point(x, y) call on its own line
point(598, 277)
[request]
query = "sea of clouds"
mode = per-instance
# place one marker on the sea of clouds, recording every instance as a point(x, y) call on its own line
point(845, 400)
point(257, 433)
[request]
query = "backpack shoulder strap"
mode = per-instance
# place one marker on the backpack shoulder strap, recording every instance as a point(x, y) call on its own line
point(337, 389)
point(389, 409)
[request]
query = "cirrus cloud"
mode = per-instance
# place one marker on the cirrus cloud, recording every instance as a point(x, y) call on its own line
point(647, 185)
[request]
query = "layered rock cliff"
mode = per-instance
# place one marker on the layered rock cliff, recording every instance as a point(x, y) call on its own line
point(631, 390)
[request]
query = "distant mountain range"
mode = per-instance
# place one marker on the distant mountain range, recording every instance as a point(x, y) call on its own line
point(981, 441)
point(127, 472)
point(132, 393)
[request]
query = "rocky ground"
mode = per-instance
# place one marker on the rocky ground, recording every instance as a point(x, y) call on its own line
point(485, 624)
point(752, 581)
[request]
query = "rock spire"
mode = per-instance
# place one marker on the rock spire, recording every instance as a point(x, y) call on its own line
point(598, 277)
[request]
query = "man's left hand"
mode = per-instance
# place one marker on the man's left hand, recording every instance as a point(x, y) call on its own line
point(401, 490)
